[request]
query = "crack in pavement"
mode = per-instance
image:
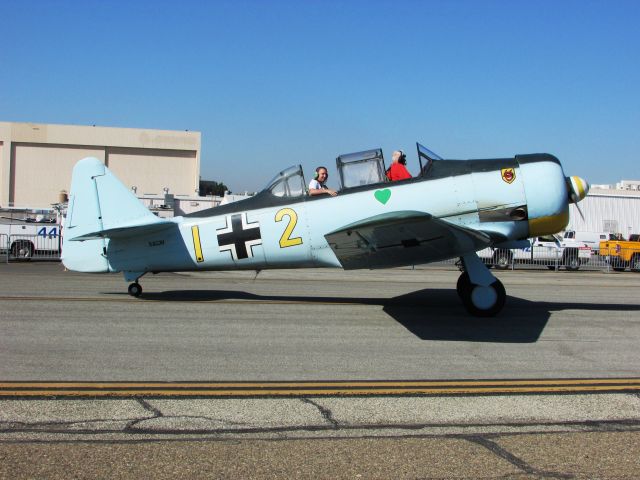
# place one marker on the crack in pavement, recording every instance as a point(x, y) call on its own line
point(325, 412)
point(333, 425)
point(132, 426)
point(6, 427)
point(149, 408)
point(517, 462)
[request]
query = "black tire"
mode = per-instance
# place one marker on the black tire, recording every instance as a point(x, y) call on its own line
point(635, 263)
point(22, 249)
point(551, 267)
point(502, 259)
point(571, 260)
point(135, 290)
point(485, 311)
point(464, 285)
point(618, 264)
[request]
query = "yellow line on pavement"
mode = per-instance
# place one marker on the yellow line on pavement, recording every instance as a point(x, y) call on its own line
point(323, 384)
point(281, 389)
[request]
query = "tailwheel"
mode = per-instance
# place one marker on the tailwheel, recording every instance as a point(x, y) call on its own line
point(479, 300)
point(135, 290)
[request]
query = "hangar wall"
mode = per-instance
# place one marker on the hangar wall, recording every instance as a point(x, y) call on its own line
point(127, 163)
point(1, 169)
point(612, 211)
point(39, 172)
point(36, 160)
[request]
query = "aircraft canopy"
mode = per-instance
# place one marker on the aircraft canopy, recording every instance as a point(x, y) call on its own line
point(288, 183)
point(361, 168)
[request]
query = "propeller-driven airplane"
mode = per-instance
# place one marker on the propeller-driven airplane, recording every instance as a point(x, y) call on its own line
point(452, 208)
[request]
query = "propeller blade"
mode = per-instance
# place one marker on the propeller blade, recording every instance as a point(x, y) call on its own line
point(579, 210)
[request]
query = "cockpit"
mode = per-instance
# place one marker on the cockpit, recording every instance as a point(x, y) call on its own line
point(361, 168)
point(355, 170)
point(288, 183)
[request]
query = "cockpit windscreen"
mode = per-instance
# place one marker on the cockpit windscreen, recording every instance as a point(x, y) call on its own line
point(288, 183)
point(426, 158)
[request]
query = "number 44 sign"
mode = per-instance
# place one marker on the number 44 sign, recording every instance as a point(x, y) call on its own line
point(51, 232)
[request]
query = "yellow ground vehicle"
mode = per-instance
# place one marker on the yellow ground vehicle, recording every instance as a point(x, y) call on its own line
point(622, 254)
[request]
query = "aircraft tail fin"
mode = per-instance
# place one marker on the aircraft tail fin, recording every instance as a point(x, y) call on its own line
point(98, 202)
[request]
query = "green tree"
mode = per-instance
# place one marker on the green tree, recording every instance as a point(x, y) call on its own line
point(211, 187)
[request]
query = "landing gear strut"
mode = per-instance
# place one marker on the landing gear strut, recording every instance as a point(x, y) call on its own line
point(482, 294)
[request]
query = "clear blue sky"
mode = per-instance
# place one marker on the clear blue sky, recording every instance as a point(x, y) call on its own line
point(275, 83)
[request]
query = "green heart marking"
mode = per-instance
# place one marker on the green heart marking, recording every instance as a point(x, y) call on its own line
point(383, 196)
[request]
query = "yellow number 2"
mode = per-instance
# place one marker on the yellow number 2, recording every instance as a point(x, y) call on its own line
point(286, 240)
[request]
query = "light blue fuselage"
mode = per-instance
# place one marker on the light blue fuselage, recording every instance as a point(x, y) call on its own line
point(293, 234)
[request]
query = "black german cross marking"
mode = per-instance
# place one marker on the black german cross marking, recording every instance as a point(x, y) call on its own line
point(239, 236)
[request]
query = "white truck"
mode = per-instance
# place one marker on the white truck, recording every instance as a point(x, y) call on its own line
point(592, 239)
point(550, 250)
point(24, 239)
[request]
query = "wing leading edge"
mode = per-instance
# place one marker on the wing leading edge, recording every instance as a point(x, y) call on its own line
point(402, 238)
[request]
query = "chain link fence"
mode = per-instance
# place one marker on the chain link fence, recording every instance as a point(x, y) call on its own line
point(621, 259)
point(549, 257)
point(4, 247)
point(556, 259)
point(30, 247)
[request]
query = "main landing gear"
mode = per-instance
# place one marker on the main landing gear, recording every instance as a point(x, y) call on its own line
point(482, 294)
point(135, 290)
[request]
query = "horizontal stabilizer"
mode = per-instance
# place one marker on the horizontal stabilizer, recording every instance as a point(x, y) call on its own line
point(142, 228)
point(402, 238)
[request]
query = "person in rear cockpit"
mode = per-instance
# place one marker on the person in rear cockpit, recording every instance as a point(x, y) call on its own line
point(398, 169)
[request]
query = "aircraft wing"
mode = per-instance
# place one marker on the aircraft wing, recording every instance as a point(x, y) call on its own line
point(402, 238)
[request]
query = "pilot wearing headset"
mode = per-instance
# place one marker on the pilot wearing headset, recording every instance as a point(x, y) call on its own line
point(398, 169)
point(317, 185)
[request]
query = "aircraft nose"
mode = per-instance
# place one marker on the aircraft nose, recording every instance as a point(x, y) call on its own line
point(578, 188)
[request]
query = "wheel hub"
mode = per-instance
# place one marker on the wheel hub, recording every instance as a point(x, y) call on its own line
point(484, 297)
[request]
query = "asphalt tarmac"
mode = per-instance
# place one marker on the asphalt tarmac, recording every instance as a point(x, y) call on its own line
point(548, 389)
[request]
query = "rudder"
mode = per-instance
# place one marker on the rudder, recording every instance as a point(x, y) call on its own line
point(98, 201)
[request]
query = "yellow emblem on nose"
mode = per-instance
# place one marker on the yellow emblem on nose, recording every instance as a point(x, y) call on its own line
point(508, 174)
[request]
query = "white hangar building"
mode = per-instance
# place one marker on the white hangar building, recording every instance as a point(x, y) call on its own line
point(607, 208)
point(36, 160)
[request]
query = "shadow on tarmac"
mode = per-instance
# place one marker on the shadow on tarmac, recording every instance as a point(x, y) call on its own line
point(429, 314)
